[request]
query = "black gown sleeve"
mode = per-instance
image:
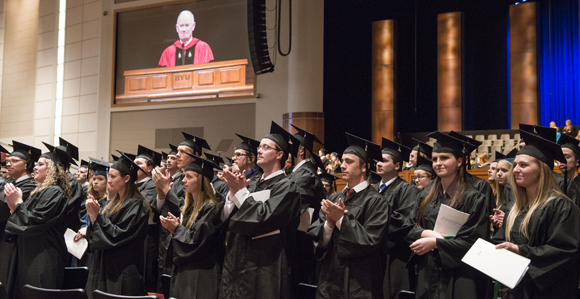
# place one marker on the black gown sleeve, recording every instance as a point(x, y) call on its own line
point(255, 218)
point(104, 234)
point(46, 208)
point(190, 244)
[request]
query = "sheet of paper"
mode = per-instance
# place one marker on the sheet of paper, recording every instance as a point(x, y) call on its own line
point(305, 220)
point(75, 248)
point(500, 264)
point(449, 220)
point(263, 196)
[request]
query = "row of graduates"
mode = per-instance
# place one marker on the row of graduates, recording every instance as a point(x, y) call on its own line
point(360, 236)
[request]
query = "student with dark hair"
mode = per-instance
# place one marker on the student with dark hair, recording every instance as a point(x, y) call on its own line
point(440, 271)
point(117, 234)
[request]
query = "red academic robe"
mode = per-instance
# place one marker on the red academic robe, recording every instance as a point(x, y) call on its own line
point(202, 52)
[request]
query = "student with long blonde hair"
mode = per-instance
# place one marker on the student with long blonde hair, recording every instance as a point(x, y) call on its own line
point(440, 271)
point(117, 233)
point(543, 224)
point(197, 242)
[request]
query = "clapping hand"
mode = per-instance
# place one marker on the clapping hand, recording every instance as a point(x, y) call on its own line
point(93, 208)
point(13, 196)
point(170, 222)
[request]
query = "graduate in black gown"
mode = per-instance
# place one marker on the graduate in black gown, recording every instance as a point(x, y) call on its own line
point(312, 193)
point(440, 271)
point(572, 154)
point(503, 167)
point(395, 251)
point(117, 234)
point(197, 240)
point(329, 183)
point(37, 225)
point(543, 225)
point(171, 195)
point(423, 174)
point(19, 165)
point(219, 186)
point(348, 234)
point(75, 209)
point(148, 159)
point(260, 246)
point(245, 157)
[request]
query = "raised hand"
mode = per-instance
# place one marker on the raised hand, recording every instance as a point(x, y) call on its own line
point(13, 196)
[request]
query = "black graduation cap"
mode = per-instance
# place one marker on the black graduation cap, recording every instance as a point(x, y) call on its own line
point(230, 161)
point(129, 155)
point(329, 178)
point(173, 149)
point(397, 150)
point(194, 142)
point(306, 138)
point(28, 153)
point(215, 159)
point(545, 132)
point(126, 166)
point(164, 156)
point(449, 144)
point(3, 150)
point(203, 167)
point(471, 141)
point(69, 148)
point(286, 141)
point(425, 165)
point(248, 144)
point(149, 154)
point(511, 155)
point(423, 147)
point(84, 164)
point(498, 156)
point(99, 166)
point(364, 149)
point(542, 149)
point(316, 160)
point(115, 158)
point(58, 155)
point(568, 142)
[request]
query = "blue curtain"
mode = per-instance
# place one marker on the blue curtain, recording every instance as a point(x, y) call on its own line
point(558, 61)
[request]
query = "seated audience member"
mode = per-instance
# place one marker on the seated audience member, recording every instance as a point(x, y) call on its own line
point(483, 160)
point(568, 129)
point(334, 166)
point(329, 183)
point(424, 174)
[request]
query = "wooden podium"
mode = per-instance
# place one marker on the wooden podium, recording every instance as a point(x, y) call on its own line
point(187, 82)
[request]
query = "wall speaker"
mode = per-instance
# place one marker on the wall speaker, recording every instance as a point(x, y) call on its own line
point(257, 36)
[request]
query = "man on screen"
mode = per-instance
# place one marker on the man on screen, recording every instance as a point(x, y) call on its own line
point(188, 49)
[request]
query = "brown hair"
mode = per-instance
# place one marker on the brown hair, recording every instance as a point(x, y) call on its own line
point(206, 198)
point(115, 203)
point(55, 176)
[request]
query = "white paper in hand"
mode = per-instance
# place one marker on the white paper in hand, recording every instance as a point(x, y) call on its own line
point(500, 264)
point(263, 196)
point(449, 220)
point(75, 248)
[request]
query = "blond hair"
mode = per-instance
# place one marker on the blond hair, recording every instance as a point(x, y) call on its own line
point(116, 203)
point(499, 190)
point(55, 176)
point(93, 193)
point(548, 189)
point(205, 197)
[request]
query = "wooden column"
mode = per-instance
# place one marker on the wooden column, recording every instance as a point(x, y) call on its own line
point(449, 96)
point(383, 80)
point(312, 122)
point(523, 65)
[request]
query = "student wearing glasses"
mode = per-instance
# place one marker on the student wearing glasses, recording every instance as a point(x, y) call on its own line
point(244, 159)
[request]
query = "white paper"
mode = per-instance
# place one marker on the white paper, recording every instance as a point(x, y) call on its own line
point(500, 264)
point(449, 221)
point(263, 196)
point(75, 248)
point(305, 220)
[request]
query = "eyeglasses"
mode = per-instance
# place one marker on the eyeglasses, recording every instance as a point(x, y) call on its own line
point(420, 177)
point(13, 160)
point(266, 148)
point(237, 155)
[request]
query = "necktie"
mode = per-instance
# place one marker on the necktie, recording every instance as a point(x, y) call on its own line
point(262, 180)
point(350, 192)
point(383, 186)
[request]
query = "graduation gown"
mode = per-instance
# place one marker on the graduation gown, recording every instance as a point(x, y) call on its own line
point(198, 255)
point(39, 225)
point(350, 264)
point(77, 200)
point(484, 188)
point(312, 193)
point(117, 242)
point(571, 190)
point(395, 250)
point(196, 52)
point(149, 192)
point(221, 188)
point(7, 249)
point(254, 176)
point(174, 200)
point(552, 248)
point(260, 268)
point(441, 273)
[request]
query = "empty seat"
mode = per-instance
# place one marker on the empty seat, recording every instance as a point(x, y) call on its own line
point(509, 145)
point(483, 149)
point(495, 148)
point(432, 140)
point(75, 277)
point(479, 137)
point(492, 137)
point(498, 142)
point(517, 136)
point(486, 142)
point(504, 136)
point(102, 295)
point(30, 292)
point(469, 136)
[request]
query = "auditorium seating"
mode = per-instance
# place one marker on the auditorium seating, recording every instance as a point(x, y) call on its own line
point(102, 295)
point(30, 292)
point(75, 277)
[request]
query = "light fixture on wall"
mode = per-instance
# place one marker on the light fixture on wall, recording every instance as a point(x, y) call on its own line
point(60, 70)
